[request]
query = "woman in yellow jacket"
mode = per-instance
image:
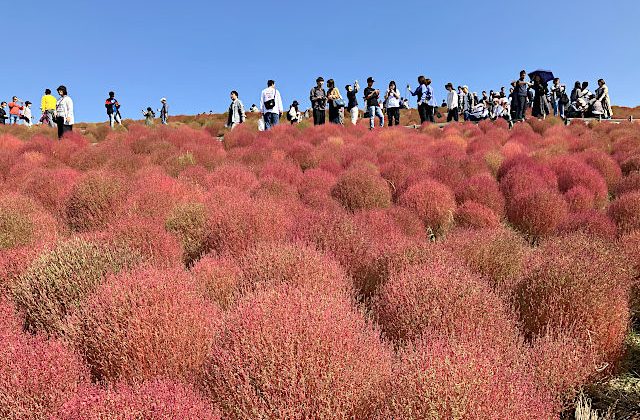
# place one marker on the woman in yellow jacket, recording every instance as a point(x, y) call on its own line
point(48, 108)
point(336, 103)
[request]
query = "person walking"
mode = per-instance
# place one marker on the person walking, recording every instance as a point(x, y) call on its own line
point(352, 104)
point(467, 102)
point(318, 98)
point(164, 111)
point(558, 94)
point(392, 99)
point(149, 115)
point(270, 105)
point(336, 103)
point(113, 110)
point(236, 114)
point(64, 112)
point(602, 95)
point(452, 103)
point(432, 104)
point(48, 108)
point(15, 108)
point(371, 96)
point(3, 113)
point(26, 114)
point(421, 93)
point(521, 92)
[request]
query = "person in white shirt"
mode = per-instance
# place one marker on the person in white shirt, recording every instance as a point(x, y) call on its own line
point(64, 112)
point(26, 114)
point(271, 105)
point(392, 99)
point(452, 103)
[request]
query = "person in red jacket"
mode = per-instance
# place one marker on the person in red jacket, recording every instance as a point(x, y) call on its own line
point(15, 108)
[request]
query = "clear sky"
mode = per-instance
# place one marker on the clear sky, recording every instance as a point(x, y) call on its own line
point(195, 51)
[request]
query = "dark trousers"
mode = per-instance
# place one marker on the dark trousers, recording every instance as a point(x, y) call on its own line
point(452, 115)
point(521, 106)
point(393, 114)
point(422, 110)
point(431, 110)
point(318, 116)
point(62, 127)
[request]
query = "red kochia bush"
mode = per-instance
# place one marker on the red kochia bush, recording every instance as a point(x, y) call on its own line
point(579, 285)
point(219, 276)
point(537, 213)
point(51, 187)
point(36, 375)
point(604, 164)
point(482, 189)
point(23, 222)
point(294, 353)
point(188, 221)
point(144, 325)
point(580, 198)
point(526, 177)
point(625, 211)
point(442, 296)
point(591, 222)
point(433, 202)
point(447, 379)
point(361, 188)
point(572, 172)
point(629, 183)
point(474, 215)
point(161, 400)
point(94, 201)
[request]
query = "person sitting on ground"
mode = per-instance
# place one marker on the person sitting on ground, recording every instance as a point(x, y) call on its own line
point(479, 112)
point(294, 115)
point(149, 115)
point(254, 108)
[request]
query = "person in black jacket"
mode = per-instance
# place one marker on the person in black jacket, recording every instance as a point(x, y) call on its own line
point(3, 113)
point(318, 98)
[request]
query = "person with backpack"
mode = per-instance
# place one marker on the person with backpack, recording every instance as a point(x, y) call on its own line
point(294, 115)
point(236, 114)
point(15, 108)
point(3, 113)
point(164, 111)
point(318, 98)
point(64, 112)
point(371, 96)
point(559, 97)
point(149, 115)
point(392, 99)
point(113, 110)
point(270, 105)
point(421, 93)
point(352, 104)
point(48, 108)
point(452, 103)
point(336, 103)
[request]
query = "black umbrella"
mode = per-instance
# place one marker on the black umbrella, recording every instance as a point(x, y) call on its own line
point(545, 75)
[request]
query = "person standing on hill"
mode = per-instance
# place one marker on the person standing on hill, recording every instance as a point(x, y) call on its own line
point(236, 111)
point(602, 95)
point(149, 115)
point(48, 108)
point(26, 114)
point(467, 102)
point(271, 105)
point(113, 110)
point(15, 108)
point(521, 94)
point(432, 104)
point(421, 93)
point(318, 98)
point(3, 113)
point(558, 92)
point(336, 103)
point(64, 112)
point(371, 95)
point(164, 111)
point(392, 99)
point(452, 103)
point(352, 104)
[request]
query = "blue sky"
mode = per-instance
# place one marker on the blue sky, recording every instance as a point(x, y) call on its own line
point(194, 52)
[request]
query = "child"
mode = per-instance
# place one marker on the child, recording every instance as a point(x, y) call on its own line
point(149, 115)
point(26, 114)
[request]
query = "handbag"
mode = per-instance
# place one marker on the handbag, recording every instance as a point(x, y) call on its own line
point(271, 103)
point(339, 103)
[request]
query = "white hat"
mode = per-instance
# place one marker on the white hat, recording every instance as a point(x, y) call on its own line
point(465, 87)
point(163, 99)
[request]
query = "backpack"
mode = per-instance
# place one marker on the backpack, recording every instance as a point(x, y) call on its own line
point(564, 98)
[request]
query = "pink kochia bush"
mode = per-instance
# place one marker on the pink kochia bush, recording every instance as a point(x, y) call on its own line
point(295, 353)
point(144, 325)
point(625, 211)
point(162, 400)
point(362, 188)
point(36, 375)
point(433, 202)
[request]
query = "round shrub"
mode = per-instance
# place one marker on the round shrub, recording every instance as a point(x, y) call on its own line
point(362, 188)
point(580, 198)
point(233, 176)
point(23, 223)
point(220, 277)
point(625, 211)
point(36, 375)
point(579, 285)
point(145, 325)
point(442, 378)
point(188, 221)
point(525, 178)
point(629, 183)
point(605, 164)
point(482, 189)
point(162, 400)
point(591, 223)
point(537, 213)
point(443, 296)
point(433, 202)
point(51, 187)
point(474, 215)
point(294, 353)
point(572, 172)
point(94, 201)
point(56, 282)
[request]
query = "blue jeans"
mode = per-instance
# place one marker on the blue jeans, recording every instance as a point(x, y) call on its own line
point(271, 119)
point(14, 119)
point(558, 108)
point(375, 111)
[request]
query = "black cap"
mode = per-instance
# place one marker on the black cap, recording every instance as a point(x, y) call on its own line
point(449, 85)
point(319, 79)
point(370, 79)
point(27, 103)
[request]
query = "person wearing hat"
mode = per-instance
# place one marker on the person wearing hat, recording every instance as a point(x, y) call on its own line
point(26, 114)
point(318, 98)
point(164, 111)
point(371, 96)
point(452, 103)
point(293, 115)
point(64, 112)
point(236, 114)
